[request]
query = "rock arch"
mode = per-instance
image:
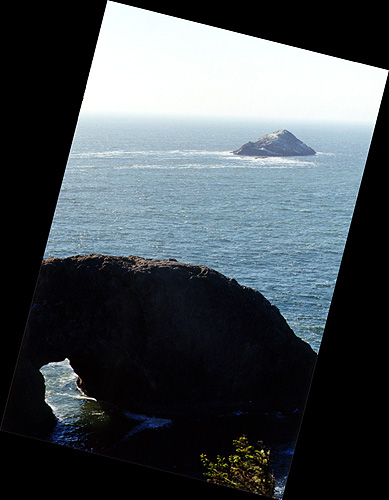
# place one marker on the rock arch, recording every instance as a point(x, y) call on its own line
point(157, 337)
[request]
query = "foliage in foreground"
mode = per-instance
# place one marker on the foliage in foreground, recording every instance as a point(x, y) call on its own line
point(247, 469)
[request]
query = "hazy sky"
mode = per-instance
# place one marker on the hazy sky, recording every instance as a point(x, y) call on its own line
point(151, 63)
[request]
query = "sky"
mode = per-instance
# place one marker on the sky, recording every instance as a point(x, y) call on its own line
point(153, 64)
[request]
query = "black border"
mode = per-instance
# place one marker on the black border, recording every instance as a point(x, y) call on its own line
point(58, 41)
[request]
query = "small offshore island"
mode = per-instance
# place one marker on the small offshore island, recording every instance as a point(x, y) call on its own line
point(279, 143)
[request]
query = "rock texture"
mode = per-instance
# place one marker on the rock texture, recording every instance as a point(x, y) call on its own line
point(279, 143)
point(161, 338)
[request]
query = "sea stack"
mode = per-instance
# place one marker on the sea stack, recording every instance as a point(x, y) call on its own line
point(279, 143)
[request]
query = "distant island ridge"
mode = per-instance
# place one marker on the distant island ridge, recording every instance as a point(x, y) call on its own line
point(278, 143)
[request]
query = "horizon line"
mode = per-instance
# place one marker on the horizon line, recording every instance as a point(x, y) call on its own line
point(241, 118)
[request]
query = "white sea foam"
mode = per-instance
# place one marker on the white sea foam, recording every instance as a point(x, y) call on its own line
point(149, 153)
point(280, 487)
point(146, 422)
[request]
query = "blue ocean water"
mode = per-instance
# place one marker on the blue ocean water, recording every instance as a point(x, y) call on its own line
point(171, 188)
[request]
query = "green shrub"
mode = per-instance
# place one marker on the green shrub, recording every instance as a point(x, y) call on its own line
point(247, 469)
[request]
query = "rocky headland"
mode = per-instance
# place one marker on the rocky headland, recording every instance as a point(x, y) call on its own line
point(157, 337)
point(279, 143)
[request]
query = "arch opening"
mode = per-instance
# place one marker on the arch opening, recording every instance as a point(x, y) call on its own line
point(78, 415)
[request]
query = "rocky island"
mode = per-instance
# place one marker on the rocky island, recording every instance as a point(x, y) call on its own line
point(279, 143)
point(158, 337)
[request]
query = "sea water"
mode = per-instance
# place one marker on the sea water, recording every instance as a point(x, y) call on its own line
point(171, 188)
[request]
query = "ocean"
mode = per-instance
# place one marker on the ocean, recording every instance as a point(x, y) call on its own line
point(171, 188)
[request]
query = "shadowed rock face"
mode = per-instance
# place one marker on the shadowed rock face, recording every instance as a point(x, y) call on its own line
point(279, 143)
point(162, 338)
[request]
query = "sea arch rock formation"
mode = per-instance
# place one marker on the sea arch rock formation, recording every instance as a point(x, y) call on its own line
point(157, 337)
